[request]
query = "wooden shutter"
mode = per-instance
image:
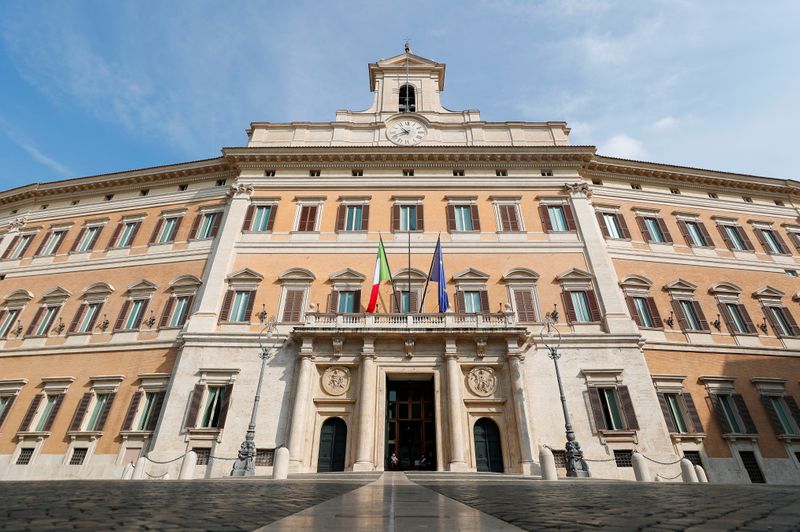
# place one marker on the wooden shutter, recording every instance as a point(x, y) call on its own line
point(10, 247)
point(476, 220)
point(725, 238)
point(364, 218)
point(248, 218)
point(700, 316)
point(748, 322)
point(250, 302)
point(723, 421)
point(602, 222)
point(597, 408)
point(122, 313)
point(594, 308)
point(567, 210)
point(505, 221)
point(460, 306)
point(727, 318)
point(623, 225)
point(62, 235)
point(333, 301)
point(127, 424)
point(194, 405)
point(632, 310)
point(155, 413)
point(788, 399)
point(691, 410)
point(35, 322)
point(196, 225)
point(77, 318)
point(25, 247)
point(136, 227)
point(685, 232)
point(31, 412)
point(664, 231)
point(187, 310)
point(4, 413)
point(141, 314)
point(226, 402)
point(101, 422)
point(225, 312)
point(308, 218)
point(545, 216)
point(484, 295)
point(395, 218)
point(93, 320)
point(781, 242)
point(631, 423)
point(794, 237)
point(273, 209)
point(771, 318)
point(512, 217)
point(654, 314)
point(292, 306)
point(174, 236)
point(566, 298)
point(156, 230)
point(48, 424)
point(744, 413)
point(795, 330)
point(80, 412)
point(662, 400)
point(676, 308)
point(645, 233)
point(42, 243)
point(523, 300)
point(413, 303)
point(164, 321)
point(357, 301)
point(112, 242)
point(451, 218)
point(706, 237)
point(772, 415)
point(215, 225)
point(78, 239)
point(95, 238)
point(341, 214)
point(420, 217)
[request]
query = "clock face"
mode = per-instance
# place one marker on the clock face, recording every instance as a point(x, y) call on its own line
point(406, 132)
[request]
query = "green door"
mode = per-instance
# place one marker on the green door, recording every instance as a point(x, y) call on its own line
point(488, 452)
point(332, 444)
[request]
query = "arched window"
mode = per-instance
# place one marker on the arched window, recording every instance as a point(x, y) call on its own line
point(408, 99)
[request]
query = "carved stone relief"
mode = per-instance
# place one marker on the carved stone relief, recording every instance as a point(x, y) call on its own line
point(336, 380)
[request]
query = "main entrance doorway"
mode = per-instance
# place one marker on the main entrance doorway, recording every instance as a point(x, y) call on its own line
point(410, 424)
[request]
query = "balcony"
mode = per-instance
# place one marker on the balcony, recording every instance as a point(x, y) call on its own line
point(431, 322)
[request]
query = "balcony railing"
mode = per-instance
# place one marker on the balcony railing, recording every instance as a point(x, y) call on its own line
point(405, 321)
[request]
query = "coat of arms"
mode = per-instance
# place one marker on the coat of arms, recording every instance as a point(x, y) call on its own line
point(336, 380)
point(482, 381)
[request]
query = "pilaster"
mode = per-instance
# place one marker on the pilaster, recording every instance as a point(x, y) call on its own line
point(455, 405)
point(297, 429)
point(367, 402)
point(516, 372)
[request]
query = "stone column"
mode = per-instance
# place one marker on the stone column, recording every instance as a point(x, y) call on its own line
point(220, 259)
point(615, 311)
point(297, 429)
point(455, 403)
point(367, 402)
point(516, 372)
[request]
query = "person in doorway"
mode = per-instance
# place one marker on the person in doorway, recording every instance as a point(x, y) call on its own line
point(423, 462)
point(393, 461)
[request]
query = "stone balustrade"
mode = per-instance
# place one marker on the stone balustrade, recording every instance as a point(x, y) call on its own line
point(448, 320)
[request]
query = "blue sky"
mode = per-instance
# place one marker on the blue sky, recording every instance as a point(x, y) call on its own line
point(95, 87)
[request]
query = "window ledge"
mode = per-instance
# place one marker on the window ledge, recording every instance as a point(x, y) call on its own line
point(741, 437)
point(204, 434)
point(251, 232)
point(614, 436)
point(678, 437)
point(127, 434)
point(32, 434)
point(84, 434)
point(789, 438)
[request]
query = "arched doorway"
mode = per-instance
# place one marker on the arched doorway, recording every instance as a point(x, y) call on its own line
point(332, 444)
point(488, 452)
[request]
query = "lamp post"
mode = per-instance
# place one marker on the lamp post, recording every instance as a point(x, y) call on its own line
point(576, 465)
point(245, 464)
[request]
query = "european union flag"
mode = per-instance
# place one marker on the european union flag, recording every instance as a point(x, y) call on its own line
point(437, 276)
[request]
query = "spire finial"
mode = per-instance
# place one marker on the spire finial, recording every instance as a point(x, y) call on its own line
point(408, 46)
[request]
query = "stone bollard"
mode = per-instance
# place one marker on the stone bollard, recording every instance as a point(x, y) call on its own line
point(280, 463)
point(688, 474)
point(701, 474)
point(187, 466)
point(127, 473)
point(640, 467)
point(548, 463)
point(138, 470)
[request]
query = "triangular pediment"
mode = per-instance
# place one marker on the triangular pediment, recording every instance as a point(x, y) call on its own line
point(245, 275)
point(347, 275)
point(409, 62)
point(725, 287)
point(471, 274)
point(636, 281)
point(142, 286)
point(57, 293)
point(768, 291)
point(680, 284)
point(413, 60)
point(19, 295)
point(574, 274)
point(520, 275)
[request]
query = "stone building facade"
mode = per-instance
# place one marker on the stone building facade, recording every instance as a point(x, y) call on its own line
point(132, 304)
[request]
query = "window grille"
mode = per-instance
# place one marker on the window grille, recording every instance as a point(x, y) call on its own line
point(264, 457)
point(751, 467)
point(203, 455)
point(693, 457)
point(25, 455)
point(78, 456)
point(623, 458)
point(560, 458)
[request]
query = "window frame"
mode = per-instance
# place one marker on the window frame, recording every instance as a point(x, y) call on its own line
point(512, 206)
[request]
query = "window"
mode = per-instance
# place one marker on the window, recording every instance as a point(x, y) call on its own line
point(408, 99)
point(728, 413)
point(782, 321)
point(7, 321)
point(596, 181)
point(636, 186)
point(458, 173)
point(51, 244)
point(44, 417)
point(127, 234)
point(559, 457)
point(654, 229)
point(144, 192)
point(150, 410)
point(180, 311)
point(203, 455)
point(612, 408)
point(221, 182)
point(694, 232)
point(96, 417)
point(25, 456)
point(509, 217)
point(501, 173)
point(357, 173)
point(674, 191)
point(690, 315)
point(472, 301)
point(135, 314)
point(78, 456)
point(6, 401)
point(772, 242)
point(18, 246)
point(642, 307)
point(557, 218)
point(408, 173)
point(613, 225)
point(308, 218)
point(735, 237)
point(213, 407)
point(166, 229)
point(47, 318)
point(747, 199)
point(675, 412)
point(780, 413)
point(263, 218)
point(314, 173)
point(751, 466)
point(623, 457)
point(580, 305)
point(713, 195)
point(108, 197)
point(352, 217)
point(90, 313)
point(269, 173)
point(779, 203)
point(293, 305)
point(791, 273)
point(547, 173)
point(693, 457)
point(87, 238)
point(347, 301)
point(183, 187)
point(264, 457)
point(208, 225)
point(241, 302)
point(524, 304)
point(74, 202)
point(463, 218)
point(407, 218)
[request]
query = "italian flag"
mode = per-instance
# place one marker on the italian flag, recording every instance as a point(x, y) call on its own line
point(382, 273)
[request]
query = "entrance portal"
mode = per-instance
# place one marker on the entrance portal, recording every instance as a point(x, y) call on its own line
point(410, 424)
point(332, 444)
point(488, 453)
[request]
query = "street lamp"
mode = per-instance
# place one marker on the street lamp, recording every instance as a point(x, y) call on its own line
point(245, 464)
point(551, 339)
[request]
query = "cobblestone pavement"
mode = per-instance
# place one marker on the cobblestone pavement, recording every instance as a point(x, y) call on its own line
point(582, 505)
point(524, 503)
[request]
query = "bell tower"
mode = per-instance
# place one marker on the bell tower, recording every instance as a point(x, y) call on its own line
point(406, 83)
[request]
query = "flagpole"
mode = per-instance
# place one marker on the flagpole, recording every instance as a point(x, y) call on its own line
point(409, 257)
point(428, 279)
point(391, 277)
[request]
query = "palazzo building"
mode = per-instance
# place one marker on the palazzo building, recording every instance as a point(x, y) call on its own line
point(131, 304)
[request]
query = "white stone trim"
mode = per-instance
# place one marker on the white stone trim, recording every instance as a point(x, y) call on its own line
point(106, 383)
point(602, 377)
point(217, 376)
point(12, 386)
point(56, 385)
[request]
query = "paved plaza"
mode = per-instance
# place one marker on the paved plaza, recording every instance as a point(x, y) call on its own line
point(394, 501)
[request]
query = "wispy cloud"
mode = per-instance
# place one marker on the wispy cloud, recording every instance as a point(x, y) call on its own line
point(668, 122)
point(24, 142)
point(624, 147)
